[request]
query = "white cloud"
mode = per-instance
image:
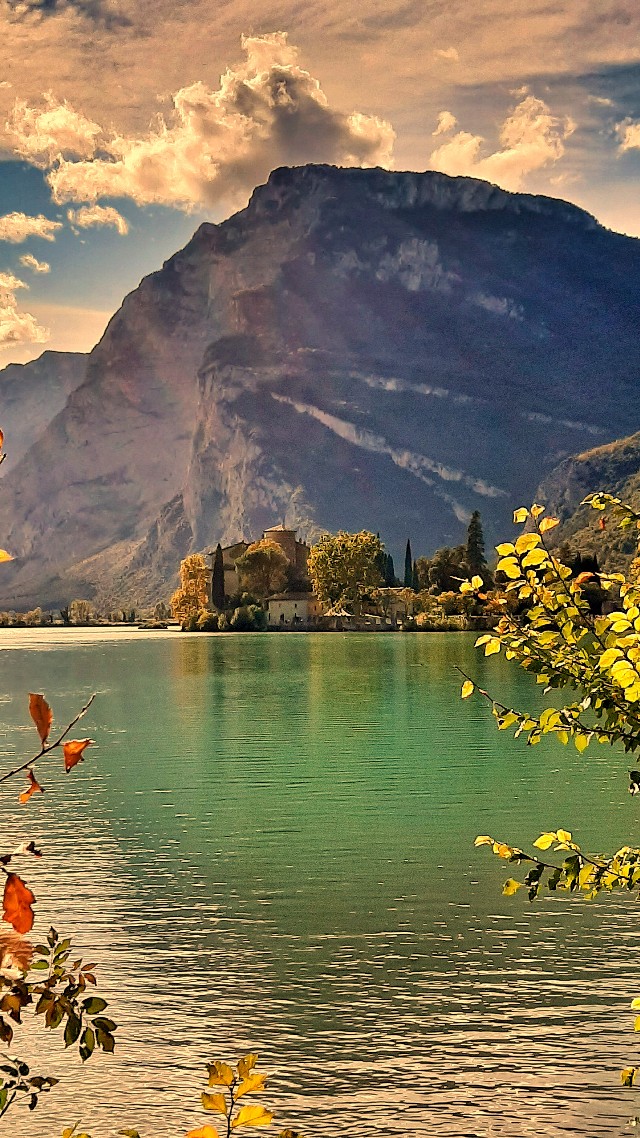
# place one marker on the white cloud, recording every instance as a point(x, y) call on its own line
point(446, 122)
point(17, 327)
point(92, 215)
point(450, 53)
point(53, 132)
point(216, 144)
point(31, 262)
point(629, 134)
point(17, 227)
point(531, 138)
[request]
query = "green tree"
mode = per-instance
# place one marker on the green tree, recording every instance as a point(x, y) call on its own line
point(475, 558)
point(193, 594)
point(263, 568)
point(343, 568)
point(217, 579)
point(446, 569)
point(408, 567)
point(389, 572)
point(554, 635)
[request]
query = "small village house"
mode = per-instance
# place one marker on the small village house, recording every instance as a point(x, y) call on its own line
point(294, 610)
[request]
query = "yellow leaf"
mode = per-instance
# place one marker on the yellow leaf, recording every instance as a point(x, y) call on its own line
point(509, 719)
point(220, 1075)
point(527, 541)
point(520, 515)
point(564, 835)
point(204, 1132)
point(581, 742)
point(251, 1084)
point(4, 556)
point(466, 587)
point(546, 840)
point(636, 1026)
point(482, 640)
point(492, 647)
point(477, 582)
point(468, 689)
point(536, 557)
point(510, 887)
point(536, 510)
point(246, 1064)
point(635, 1005)
point(505, 549)
point(509, 566)
point(627, 1076)
point(214, 1102)
point(483, 840)
point(252, 1116)
point(548, 523)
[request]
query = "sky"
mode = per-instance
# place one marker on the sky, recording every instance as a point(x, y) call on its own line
point(124, 124)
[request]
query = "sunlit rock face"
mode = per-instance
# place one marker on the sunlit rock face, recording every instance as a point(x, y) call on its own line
point(614, 468)
point(357, 348)
point(31, 395)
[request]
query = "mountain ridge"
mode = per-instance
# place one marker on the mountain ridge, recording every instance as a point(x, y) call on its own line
point(355, 348)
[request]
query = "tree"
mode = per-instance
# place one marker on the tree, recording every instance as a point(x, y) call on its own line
point(193, 594)
point(446, 569)
point(408, 567)
point(389, 572)
point(263, 568)
point(475, 558)
point(343, 568)
point(555, 635)
point(217, 579)
point(415, 581)
point(80, 612)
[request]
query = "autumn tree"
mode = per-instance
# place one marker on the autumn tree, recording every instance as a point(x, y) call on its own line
point(556, 637)
point(193, 594)
point(80, 612)
point(263, 568)
point(343, 568)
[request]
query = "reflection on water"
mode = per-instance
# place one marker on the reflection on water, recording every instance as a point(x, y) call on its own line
point(271, 848)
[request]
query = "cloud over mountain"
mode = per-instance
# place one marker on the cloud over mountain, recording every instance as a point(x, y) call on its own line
point(213, 147)
point(17, 327)
point(531, 137)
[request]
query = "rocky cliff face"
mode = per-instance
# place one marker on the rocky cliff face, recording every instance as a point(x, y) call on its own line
point(614, 468)
point(356, 348)
point(32, 394)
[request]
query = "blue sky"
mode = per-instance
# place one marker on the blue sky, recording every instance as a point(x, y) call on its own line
point(126, 124)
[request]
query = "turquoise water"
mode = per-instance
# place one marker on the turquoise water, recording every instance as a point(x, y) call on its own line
point(271, 849)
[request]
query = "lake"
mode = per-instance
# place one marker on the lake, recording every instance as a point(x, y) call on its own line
point(271, 849)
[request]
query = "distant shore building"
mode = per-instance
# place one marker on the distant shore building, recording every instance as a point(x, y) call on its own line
point(294, 610)
point(296, 550)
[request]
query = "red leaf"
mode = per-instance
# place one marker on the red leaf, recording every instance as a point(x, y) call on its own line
point(33, 788)
point(41, 714)
point(17, 901)
point(73, 752)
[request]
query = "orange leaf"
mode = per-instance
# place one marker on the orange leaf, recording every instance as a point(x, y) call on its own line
point(17, 901)
point(73, 752)
point(15, 955)
point(33, 787)
point(1, 439)
point(204, 1132)
point(41, 714)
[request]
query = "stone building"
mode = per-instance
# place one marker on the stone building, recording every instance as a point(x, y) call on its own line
point(297, 551)
point(294, 610)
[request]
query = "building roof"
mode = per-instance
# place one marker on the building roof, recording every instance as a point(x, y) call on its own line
point(281, 527)
point(293, 597)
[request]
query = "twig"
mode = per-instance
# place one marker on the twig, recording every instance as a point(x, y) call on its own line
point(46, 748)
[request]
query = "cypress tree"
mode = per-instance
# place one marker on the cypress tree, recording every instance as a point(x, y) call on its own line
point(408, 567)
point(476, 560)
point(217, 579)
point(389, 572)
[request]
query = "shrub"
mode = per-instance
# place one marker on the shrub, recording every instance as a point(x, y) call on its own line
point(207, 621)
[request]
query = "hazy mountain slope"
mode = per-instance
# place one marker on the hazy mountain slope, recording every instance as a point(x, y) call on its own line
point(356, 348)
point(31, 395)
point(614, 468)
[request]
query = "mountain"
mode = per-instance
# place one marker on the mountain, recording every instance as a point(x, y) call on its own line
point(614, 468)
point(32, 394)
point(357, 348)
